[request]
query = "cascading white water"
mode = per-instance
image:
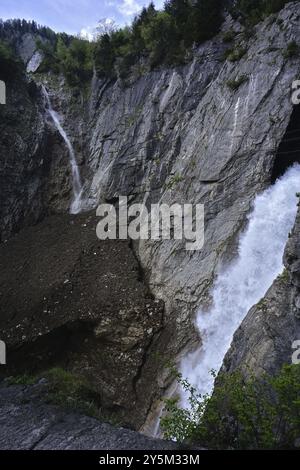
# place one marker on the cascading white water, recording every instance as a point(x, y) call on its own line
point(246, 280)
point(75, 207)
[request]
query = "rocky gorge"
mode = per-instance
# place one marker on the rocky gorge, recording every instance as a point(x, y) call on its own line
point(214, 131)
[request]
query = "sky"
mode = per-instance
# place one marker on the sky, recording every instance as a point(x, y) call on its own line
point(73, 16)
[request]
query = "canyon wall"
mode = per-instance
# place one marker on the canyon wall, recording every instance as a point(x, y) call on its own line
point(207, 132)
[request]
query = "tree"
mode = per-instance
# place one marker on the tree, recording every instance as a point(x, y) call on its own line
point(162, 40)
point(257, 413)
point(61, 50)
point(206, 20)
point(181, 11)
point(104, 56)
point(105, 26)
point(139, 23)
point(253, 11)
point(48, 51)
point(76, 61)
point(146, 15)
point(9, 63)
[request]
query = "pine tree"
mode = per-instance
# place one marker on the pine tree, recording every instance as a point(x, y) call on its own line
point(181, 11)
point(104, 57)
point(206, 20)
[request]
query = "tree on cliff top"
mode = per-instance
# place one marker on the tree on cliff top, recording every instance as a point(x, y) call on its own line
point(9, 62)
point(154, 38)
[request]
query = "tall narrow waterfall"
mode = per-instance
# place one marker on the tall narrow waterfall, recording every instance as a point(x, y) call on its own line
point(242, 284)
point(76, 180)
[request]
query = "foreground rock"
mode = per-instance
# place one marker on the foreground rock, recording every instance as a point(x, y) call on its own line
point(26, 423)
point(69, 300)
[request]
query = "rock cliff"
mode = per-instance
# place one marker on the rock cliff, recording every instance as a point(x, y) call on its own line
point(207, 132)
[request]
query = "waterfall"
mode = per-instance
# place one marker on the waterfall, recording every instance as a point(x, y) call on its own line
point(235, 125)
point(76, 180)
point(246, 280)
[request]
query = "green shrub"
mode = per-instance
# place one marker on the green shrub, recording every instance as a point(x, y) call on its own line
point(64, 389)
point(292, 50)
point(69, 390)
point(24, 379)
point(176, 179)
point(279, 22)
point(284, 276)
point(254, 414)
point(236, 83)
point(234, 55)
point(229, 36)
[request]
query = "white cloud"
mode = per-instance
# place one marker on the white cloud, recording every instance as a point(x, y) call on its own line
point(105, 25)
point(88, 33)
point(129, 7)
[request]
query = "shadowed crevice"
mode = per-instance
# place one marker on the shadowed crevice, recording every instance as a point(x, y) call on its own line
point(288, 152)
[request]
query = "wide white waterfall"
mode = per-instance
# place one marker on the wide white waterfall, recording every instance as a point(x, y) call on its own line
point(246, 280)
point(75, 207)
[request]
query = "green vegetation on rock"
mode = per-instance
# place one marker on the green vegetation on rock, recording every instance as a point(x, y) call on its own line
point(64, 389)
point(176, 179)
point(158, 37)
point(70, 56)
point(257, 413)
point(292, 50)
point(236, 83)
point(253, 11)
point(9, 63)
point(229, 36)
point(235, 54)
point(155, 38)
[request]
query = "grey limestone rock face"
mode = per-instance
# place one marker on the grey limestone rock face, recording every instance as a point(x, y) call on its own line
point(206, 132)
point(34, 63)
